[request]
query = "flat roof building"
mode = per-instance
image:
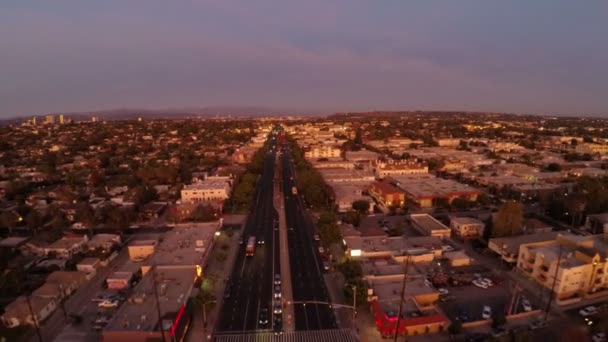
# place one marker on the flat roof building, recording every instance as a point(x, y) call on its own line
point(137, 320)
point(424, 190)
point(428, 225)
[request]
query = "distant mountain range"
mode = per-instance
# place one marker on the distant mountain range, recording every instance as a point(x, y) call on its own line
point(223, 111)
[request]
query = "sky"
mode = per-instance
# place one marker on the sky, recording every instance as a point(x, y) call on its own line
point(543, 56)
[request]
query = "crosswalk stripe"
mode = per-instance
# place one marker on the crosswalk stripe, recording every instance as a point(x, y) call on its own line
point(333, 335)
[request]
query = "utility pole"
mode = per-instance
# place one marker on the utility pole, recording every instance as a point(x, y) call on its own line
point(34, 318)
point(559, 259)
point(354, 303)
point(160, 318)
point(401, 298)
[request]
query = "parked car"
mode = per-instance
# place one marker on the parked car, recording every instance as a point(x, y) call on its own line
point(526, 305)
point(277, 279)
point(443, 291)
point(588, 311)
point(487, 312)
point(326, 266)
point(476, 337)
point(480, 284)
point(499, 332)
point(488, 282)
point(538, 324)
point(108, 304)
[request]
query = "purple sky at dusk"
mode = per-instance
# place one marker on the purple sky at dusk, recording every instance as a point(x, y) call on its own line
point(545, 56)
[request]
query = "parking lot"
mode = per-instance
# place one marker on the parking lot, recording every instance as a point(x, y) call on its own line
point(466, 301)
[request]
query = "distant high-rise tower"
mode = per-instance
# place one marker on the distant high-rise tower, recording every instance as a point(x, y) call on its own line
point(61, 119)
point(49, 119)
point(34, 121)
point(93, 119)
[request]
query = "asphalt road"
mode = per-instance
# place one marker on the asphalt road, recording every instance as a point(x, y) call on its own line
point(307, 280)
point(250, 287)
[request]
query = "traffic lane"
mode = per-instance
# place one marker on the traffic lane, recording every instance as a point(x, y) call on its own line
point(244, 287)
point(317, 316)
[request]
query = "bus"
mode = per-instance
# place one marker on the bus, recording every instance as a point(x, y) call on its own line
point(250, 249)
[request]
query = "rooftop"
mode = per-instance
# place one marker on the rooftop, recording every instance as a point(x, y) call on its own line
point(207, 184)
point(13, 241)
point(185, 244)
point(427, 222)
point(139, 313)
point(429, 186)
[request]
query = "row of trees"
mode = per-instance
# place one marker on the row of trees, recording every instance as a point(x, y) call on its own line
point(242, 195)
point(310, 182)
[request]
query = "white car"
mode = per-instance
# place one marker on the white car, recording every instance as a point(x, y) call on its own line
point(588, 311)
point(487, 312)
point(526, 304)
point(480, 284)
point(108, 304)
point(447, 248)
point(599, 337)
point(443, 291)
point(488, 282)
point(316, 237)
point(321, 249)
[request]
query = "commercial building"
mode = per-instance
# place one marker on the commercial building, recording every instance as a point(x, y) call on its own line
point(572, 265)
point(398, 168)
point(418, 313)
point(466, 227)
point(206, 190)
point(164, 290)
point(347, 175)
point(386, 194)
point(347, 193)
point(66, 246)
point(426, 190)
point(429, 226)
point(141, 249)
point(419, 249)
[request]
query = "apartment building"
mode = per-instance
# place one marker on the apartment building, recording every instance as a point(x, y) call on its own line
point(322, 152)
point(466, 227)
point(206, 190)
point(572, 265)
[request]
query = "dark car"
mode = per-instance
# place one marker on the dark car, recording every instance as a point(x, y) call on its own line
point(263, 317)
point(476, 337)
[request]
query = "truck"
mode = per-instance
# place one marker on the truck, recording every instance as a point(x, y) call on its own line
point(294, 190)
point(250, 249)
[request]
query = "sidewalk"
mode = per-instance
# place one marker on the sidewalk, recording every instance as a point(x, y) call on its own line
point(215, 271)
point(286, 290)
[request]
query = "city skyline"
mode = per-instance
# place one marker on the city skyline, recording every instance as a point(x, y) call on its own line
point(355, 56)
